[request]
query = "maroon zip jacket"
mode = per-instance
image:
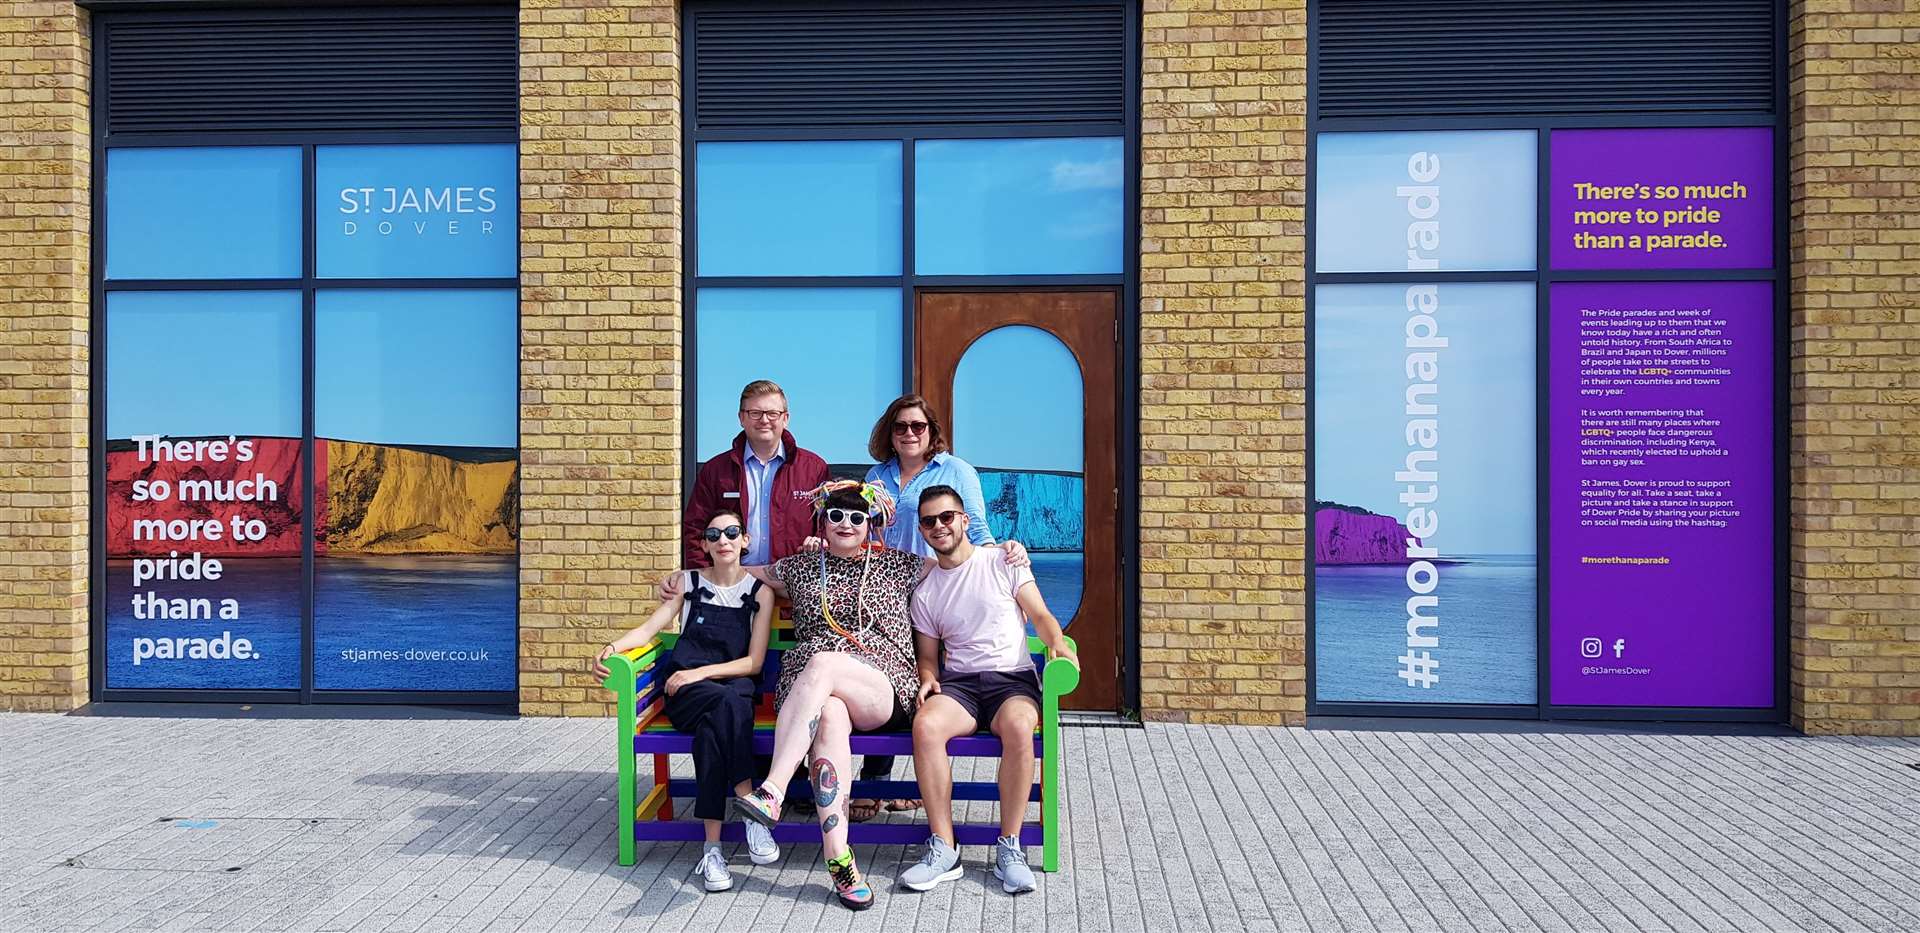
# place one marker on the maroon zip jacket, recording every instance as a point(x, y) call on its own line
point(722, 484)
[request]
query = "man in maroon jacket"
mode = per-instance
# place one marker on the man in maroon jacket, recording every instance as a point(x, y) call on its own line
point(765, 477)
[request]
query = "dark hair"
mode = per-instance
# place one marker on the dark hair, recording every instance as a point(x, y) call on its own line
point(736, 517)
point(849, 499)
point(938, 490)
point(880, 442)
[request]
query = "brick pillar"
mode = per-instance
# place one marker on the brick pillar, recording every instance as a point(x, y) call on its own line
point(45, 162)
point(1223, 355)
point(600, 198)
point(1855, 76)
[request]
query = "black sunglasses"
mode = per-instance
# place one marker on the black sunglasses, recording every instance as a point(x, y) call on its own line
point(836, 516)
point(731, 531)
point(938, 518)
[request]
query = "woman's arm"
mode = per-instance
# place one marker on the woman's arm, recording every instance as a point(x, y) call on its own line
point(639, 635)
point(967, 483)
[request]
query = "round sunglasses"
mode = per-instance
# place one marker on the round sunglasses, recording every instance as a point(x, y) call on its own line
point(846, 516)
point(938, 518)
point(731, 531)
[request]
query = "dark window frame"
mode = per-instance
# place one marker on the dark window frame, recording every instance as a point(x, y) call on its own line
point(1545, 276)
point(909, 281)
point(308, 284)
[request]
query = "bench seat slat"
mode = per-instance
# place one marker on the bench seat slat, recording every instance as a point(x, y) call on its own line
point(880, 790)
point(982, 745)
point(974, 834)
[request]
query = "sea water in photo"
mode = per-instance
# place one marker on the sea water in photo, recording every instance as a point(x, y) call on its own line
point(1486, 652)
point(266, 593)
point(435, 622)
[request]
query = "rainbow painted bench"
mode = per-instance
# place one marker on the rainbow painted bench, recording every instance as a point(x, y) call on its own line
point(647, 816)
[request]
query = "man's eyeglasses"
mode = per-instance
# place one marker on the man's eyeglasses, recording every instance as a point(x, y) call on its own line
point(846, 517)
point(731, 531)
point(910, 427)
point(941, 518)
point(759, 414)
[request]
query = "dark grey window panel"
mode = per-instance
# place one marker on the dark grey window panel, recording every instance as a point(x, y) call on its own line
point(1395, 58)
point(868, 64)
point(359, 68)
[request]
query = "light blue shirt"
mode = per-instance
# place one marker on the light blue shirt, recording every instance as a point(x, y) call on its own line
point(943, 470)
point(759, 496)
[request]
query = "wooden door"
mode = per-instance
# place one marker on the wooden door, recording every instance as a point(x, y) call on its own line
point(948, 324)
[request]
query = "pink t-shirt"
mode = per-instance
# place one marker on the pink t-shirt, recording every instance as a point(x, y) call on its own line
point(971, 610)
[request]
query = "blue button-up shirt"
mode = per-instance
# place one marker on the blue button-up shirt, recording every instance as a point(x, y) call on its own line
point(943, 470)
point(759, 504)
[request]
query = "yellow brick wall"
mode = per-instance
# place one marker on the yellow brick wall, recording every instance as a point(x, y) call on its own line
point(44, 241)
point(1223, 353)
point(1855, 73)
point(600, 198)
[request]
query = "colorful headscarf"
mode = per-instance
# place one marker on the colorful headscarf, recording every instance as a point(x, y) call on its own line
point(878, 501)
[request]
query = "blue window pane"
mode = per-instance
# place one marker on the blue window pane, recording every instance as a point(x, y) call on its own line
point(415, 570)
point(417, 368)
point(812, 208)
point(1019, 409)
point(417, 211)
point(1425, 201)
point(194, 364)
point(836, 352)
point(1018, 206)
point(203, 213)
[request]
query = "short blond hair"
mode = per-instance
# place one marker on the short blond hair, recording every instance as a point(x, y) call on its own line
point(759, 387)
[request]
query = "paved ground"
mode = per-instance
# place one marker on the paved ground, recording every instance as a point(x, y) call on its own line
point(129, 824)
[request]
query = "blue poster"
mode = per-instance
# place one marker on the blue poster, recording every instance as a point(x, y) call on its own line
point(417, 212)
point(1424, 535)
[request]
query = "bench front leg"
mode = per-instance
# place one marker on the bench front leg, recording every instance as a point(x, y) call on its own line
point(1060, 679)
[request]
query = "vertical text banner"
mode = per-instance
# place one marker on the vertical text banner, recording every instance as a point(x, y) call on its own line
point(1662, 199)
point(1661, 499)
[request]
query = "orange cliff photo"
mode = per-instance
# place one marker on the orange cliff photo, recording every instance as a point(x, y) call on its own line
point(371, 499)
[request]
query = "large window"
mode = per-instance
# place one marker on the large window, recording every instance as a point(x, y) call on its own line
point(1544, 341)
point(310, 457)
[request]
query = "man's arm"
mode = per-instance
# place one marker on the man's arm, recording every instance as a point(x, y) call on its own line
point(1044, 624)
point(702, 504)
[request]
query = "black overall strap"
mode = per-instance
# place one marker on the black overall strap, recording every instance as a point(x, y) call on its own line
point(750, 602)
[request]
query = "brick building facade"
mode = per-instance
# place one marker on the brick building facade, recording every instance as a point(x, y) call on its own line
point(1223, 553)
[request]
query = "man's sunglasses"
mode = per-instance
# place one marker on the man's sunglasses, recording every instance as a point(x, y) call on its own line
point(731, 531)
point(941, 518)
point(846, 516)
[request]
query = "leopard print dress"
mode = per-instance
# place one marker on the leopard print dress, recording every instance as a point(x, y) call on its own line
point(884, 627)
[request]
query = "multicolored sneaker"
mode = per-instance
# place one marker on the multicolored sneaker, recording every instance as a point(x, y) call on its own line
point(848, 885)
point(758, 806)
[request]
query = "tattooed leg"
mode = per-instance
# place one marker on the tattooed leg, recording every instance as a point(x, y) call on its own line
point(832, 757)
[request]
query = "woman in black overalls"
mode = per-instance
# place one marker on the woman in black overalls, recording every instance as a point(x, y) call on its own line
point(712, 678)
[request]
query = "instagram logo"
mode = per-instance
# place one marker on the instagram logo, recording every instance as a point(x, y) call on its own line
point(1590, 647)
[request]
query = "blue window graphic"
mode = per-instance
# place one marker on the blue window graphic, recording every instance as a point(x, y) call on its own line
point(799, 208)
point(1018, 206)
point(218, 212)
point(448, 211)
point(1426, 201)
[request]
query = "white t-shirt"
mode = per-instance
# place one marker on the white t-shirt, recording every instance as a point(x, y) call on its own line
point(971, 609)
point(725, 596)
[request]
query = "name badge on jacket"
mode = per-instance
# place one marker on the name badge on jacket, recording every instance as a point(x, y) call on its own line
point(729, 495)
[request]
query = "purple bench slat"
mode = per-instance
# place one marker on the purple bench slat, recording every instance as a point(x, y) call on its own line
point(876, 790)
point(975, 834)
point(980, 745)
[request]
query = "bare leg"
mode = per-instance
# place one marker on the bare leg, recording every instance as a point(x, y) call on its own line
point(1014, 724)
point(831, 771)
point(939, 719)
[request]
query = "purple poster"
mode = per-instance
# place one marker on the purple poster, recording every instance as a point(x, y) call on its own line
point(1661, 528)
point(1662, 199)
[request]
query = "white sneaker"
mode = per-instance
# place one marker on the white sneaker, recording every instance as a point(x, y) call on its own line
point(760, 845)
point(713, 871)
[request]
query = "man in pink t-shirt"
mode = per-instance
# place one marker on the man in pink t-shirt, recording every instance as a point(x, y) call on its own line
point(971, 604)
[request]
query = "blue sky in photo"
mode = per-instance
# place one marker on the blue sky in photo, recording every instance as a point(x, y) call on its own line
point(1486, 207)
point(214, 212)
point(799, 208)
point(1018, 206)
point(415, 367)
point(1486, 409)
point(1018, 402)
point(187, 364)
point(421, 244)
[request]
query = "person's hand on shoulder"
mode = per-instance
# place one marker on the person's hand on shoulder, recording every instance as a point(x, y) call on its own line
point(672, 585)
point(1016, 554)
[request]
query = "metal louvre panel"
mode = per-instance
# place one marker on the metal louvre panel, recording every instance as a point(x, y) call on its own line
point(312, 69)
point(1392, 58)
point(867, 65)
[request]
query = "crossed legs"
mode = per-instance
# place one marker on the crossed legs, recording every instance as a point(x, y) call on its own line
point(834, 696)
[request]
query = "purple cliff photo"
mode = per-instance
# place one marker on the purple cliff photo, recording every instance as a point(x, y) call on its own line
point(1662, 491)
point(1662, 199)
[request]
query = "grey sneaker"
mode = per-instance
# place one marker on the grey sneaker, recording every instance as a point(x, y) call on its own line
point(713, 871)
point(1010, 865)
point(760, 845)
point(941, 863)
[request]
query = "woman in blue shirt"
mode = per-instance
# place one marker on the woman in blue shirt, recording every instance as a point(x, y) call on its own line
point(911, 446)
